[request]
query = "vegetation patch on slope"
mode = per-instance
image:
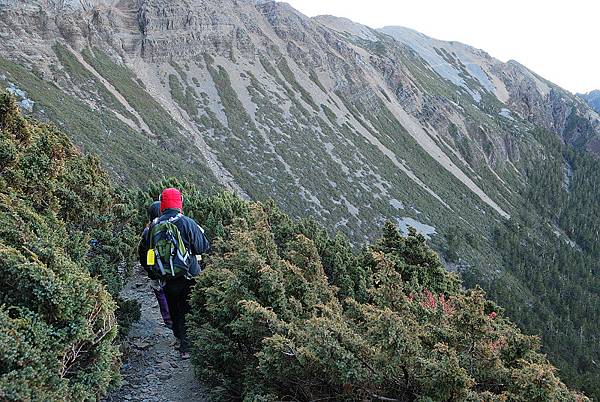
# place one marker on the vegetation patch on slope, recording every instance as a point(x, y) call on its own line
point(167, 130)
point(87, 82)
point(185, 99)
point(550, 251)
point(284, 311)
point(130, 156)
point(57, 310)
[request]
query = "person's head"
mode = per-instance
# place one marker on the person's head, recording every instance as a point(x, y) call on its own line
point(154, 210)
point(171, 199)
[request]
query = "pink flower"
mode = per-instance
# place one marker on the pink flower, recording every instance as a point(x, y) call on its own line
point(446, 305)
point(498, 345)
point(431, 302)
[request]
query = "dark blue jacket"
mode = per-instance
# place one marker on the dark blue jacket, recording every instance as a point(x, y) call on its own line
point(192, 235)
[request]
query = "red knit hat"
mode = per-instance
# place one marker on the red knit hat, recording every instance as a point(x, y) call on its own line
point(171, 198)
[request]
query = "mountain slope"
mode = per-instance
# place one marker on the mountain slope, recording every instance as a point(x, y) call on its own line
point(593, 99)
point(522, 91)
point(279, 287)
point(330, 119)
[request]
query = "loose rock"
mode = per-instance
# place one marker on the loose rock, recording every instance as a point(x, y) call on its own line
point(153, 370)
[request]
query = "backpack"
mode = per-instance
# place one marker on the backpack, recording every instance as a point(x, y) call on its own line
point(167, 255)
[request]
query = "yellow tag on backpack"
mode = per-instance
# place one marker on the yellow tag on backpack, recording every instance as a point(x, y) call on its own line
point(150, 258)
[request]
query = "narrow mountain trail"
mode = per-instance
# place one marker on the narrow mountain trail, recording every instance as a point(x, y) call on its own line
point(152, 369)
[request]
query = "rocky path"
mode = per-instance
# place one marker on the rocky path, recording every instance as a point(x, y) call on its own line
point(152, 369)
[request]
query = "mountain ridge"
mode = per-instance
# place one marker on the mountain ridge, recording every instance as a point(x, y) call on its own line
point(593, 99)
point(414, 109)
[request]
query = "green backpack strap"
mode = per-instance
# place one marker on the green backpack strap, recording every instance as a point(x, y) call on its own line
point(182, 252)
point(160, 264)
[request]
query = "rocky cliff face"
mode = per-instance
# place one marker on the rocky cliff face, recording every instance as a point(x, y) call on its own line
point(593, 99)
point(352, 121)
point(521, 90)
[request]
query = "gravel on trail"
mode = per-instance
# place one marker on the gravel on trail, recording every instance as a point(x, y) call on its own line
point(152, 369)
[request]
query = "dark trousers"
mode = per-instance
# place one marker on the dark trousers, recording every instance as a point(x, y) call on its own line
point(178, 291)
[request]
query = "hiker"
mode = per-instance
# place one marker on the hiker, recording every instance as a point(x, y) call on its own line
point(173, 248)
point(157, 284)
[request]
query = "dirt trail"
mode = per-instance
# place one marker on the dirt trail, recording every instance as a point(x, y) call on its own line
point(152, 369)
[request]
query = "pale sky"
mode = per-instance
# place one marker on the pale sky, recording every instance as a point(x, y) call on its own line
point(559, 40)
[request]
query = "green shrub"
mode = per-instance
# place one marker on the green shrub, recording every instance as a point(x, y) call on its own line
point(186, 100)
point(57, 313)
point(283, 311)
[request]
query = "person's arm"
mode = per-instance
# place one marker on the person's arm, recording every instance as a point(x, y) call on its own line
point(143, 249)
point(198, 242)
